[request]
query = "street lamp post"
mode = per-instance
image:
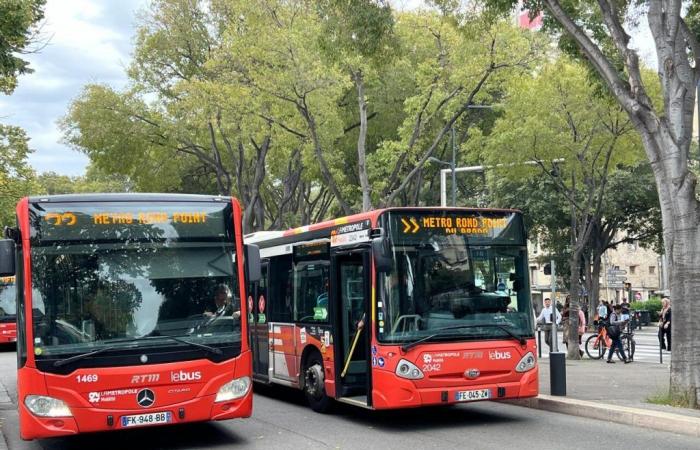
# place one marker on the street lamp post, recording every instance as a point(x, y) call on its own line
point(452, 166)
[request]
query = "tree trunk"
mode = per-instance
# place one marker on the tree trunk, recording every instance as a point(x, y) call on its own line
point(680, 212)
point(362, 142)
point(594, 293)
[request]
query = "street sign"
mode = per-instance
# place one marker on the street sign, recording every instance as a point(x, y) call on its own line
point(615, 285)
point(616, 272)
point(618, 279)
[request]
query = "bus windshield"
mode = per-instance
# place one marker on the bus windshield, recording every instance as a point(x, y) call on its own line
point(118, 271)
point(455, 269)
point(8, 299)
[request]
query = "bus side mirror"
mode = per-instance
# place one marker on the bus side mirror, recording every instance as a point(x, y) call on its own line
point(252, 262)
point(381, 251)
point(7, 257)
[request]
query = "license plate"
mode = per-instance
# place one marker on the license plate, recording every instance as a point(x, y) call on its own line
point(139, 420)
point(469, 396)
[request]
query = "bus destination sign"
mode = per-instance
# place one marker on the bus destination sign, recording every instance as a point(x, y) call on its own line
point(124, 221)
point(478, 225)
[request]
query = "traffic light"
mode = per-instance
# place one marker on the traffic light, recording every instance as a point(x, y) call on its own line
point(548, 269)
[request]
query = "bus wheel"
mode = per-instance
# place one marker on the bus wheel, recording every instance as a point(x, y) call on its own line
point(314, 387)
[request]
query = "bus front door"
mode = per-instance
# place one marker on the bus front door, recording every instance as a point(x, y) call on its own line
point(257, 325)
point(352, 325)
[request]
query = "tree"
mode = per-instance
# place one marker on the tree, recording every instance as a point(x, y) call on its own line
point(595, 28)
point(575, 136)
point(358, 34)
point(16, 177)
point(18, 20)
point(17, 31)
point(94, 180)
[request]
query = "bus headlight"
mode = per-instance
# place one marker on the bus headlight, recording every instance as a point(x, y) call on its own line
point(233, 389)
point(43, 406)
point(408, 370)
point(526, 363)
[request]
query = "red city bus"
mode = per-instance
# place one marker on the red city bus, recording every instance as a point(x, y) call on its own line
point(129, 311)
point(396, 308)
point(8, 308)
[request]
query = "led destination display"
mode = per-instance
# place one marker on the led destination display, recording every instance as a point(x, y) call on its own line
point(121, 220)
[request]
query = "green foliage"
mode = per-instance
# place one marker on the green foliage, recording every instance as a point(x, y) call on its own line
point(16, 177)
point(18, 20)
point(653, 305)
point(94, 181)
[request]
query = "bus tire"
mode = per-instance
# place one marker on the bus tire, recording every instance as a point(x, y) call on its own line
point(314, 384)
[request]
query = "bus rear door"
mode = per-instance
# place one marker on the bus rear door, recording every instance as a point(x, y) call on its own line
point(351, 277)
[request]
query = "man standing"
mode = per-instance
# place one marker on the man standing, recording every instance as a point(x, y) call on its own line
point(546, 318)
point(602, 311)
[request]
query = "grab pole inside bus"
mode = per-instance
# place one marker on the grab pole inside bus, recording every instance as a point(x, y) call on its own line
point(360, 326)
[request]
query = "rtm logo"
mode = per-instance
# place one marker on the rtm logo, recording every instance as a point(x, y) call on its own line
point(176, 377)
point(149, 378)
point(499, 355)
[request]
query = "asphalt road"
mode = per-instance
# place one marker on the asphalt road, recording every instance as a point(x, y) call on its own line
point(282, 420)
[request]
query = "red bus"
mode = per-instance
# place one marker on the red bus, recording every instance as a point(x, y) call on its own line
point(8, 310)
point(129, 311)
point(396, 308)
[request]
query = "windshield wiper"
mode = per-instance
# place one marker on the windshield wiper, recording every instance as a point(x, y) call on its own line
point(439, 332)
point(63, 362)
point(210, 349)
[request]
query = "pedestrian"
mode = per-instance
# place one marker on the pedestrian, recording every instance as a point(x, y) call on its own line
point(615, 333)
point(546, 318)
point(581, 329)
point(584, 308)
point(602, 311)
point(665, 324)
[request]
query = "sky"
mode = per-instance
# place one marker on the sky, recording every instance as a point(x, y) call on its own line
point(89, 41)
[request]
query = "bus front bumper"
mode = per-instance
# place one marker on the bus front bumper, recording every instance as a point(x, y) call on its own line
point(402, 393)
point(87, 420)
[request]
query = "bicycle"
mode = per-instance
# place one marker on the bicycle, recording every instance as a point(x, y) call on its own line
point(628, 344)
point(598, 344)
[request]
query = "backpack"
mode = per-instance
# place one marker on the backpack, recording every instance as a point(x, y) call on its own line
point(613, 331)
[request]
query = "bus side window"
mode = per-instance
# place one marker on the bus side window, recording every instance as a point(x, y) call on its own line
point(280, 292)
point(311, 292)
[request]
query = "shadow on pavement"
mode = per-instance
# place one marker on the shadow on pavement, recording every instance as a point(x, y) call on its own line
point(7, 348)
point(195, 435)
point(426, 418)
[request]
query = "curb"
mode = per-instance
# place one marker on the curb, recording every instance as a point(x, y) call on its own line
point(656, 420)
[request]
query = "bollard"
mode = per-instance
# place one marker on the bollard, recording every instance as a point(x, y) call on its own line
point(661, 355)
point(539, 342)
point(557, 373)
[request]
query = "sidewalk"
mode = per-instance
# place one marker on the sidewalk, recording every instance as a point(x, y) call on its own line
point(5, 403)
point(616, 393)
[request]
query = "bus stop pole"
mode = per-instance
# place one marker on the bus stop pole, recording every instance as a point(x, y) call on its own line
point(557, 360)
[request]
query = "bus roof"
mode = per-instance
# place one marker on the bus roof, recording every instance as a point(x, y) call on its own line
point(258, 236)
point(318, 230)
point(127, 197)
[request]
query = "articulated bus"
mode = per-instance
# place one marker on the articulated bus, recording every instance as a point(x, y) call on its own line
point(8, 306)
point(396, 308)
point(129, 311)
